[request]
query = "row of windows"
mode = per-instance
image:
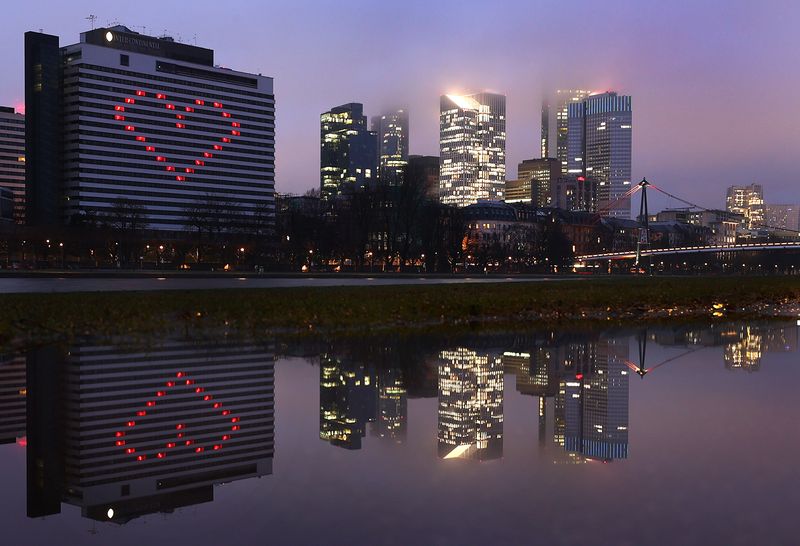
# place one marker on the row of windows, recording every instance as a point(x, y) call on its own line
point(191, 184)
point(213, 145)
point(76, 145)
point(172, 158)
point(119, 94)
point(197, 112)
point(197, 173)
point(220, 127)
point(229, 93)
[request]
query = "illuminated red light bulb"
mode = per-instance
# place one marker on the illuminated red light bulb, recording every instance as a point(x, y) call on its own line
point(160, 393)
point(130, 450)
point(235, 427)
point(180, 116)
point(225, 115)
point(226, 412)
point(226, 139)
point(199, 162)
point(188, 442)
point(189, 170)
point(218, 105)
point(179, 426)
point(180, 178)
point(236, 133)
point(198, 450)
point(120, 442)
point(216, 405)
point(217, 147)
point(199, 389)
point(160, 158)
point(217, 446)
point(141, 457)
point(130, 128)
point(161, 96)
point(199, 102)
point(150, 148)
point(169, 106)
point(161, 455)
point(141, 138)
point(119, 118)
point(234, 419)
point(119, 434)
point(150, 403)
point(208, 155)
point(235, 124)
point(141, 413)
point(189, 109)
point(131, 423)
point(190, 381)
point(170, 383)
point(171, 444)
point(119, 108)
point(130, 101)
point(170, 168)
point(140, 93)
point(226, 437)
point(207, 397)
point(180, 126)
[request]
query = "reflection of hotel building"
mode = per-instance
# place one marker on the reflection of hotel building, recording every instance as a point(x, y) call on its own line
point(470, 405)
point(147, 431)
point(12, 398)
point(347, 401)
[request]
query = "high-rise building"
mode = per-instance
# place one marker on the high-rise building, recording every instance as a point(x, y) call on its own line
point(470, 405)
point(425, 168)
point(348, 151)
point(599, 150)
point(536, 179)
point(472, 145)
point(13, 392)
point(555, 111)
point(392, 133)
point(783, 217)
point(123, 433)
point(12, 158)
point(391, 419)
point(121, 116)
point(748, 201)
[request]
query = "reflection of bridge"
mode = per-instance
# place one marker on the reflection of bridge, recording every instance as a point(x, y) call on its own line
point(630, 254)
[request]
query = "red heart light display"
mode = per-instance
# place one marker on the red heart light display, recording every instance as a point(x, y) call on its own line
point(181, 168)
point(181, 442)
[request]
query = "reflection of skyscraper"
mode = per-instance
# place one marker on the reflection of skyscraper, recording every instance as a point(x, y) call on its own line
point(470, 405)
point(12, 398)
point(146, 431)
point(592, 401)
point(347, 401)
point(390, 420)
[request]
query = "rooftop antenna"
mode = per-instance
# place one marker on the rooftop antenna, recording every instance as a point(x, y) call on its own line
point(92, 18)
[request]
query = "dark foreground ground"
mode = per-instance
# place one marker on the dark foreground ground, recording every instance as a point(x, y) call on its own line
point(26, 318)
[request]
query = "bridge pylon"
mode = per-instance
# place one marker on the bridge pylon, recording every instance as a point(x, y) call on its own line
point(644, 231)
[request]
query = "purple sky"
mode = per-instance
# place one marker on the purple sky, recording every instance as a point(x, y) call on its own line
point(714, 83)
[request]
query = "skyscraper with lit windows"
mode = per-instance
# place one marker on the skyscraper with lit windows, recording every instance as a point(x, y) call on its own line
point(555, 112)
point(472, 146)
point(391, 130)
point(12, 158)
point(348, 151)
point(599, 150)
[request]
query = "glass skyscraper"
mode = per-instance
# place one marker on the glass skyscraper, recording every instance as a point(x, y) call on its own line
point(392, 133)
point(348, 154)
point(555, 126)
point(472, 145)
point(599, 150)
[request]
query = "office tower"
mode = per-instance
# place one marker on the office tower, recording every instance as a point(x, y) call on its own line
point(747, 201)
point(121, 117)
point(6, 205)
point(555, 128)
point(424, 169)
point(126, 432)
point(470, 405)
point(599, 150)
point(472, 144)
point(347, 400)
point(392, 133)
point(12, 398)
point(348, 151)
point(783, 218)
point(536, 179)
point(12, 158)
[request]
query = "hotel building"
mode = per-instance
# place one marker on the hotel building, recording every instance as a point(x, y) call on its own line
point(124, 116)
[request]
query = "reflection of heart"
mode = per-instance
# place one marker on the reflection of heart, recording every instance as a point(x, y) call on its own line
point(181, 113)
point(177, 441)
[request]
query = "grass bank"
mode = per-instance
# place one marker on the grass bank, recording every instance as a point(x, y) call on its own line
point(48, 317)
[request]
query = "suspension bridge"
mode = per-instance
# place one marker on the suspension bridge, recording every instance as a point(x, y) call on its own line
point(644, 249)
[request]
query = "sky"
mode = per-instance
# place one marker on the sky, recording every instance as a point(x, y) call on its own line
point(714, 83)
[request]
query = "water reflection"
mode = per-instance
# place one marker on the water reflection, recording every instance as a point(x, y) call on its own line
point(124, 433)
